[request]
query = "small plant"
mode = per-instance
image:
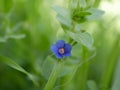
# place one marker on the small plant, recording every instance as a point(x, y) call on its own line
point(71, 19)
point(73, 61)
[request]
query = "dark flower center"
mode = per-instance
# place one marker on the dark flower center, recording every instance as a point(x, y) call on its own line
point(61, 51)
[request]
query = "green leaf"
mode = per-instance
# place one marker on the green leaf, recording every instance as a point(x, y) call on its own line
point(84, 13)
point(95, 14)
point(2, 40)
point(8, 5)
point(54, 75)
point(79, 13)
point(48, 66)
point(67, 69)
point(63, 16)
point(90, 2)
point(73, 4)
point(84, 38)
point(65, 22)
point(19, 36)
point(61, 11)
point(116, 79)
point(82, 3)
point(77, 27)
point(79, 16)
point(92, 85)
point(15, 66)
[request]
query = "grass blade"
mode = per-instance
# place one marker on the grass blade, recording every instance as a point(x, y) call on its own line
point(15, 66)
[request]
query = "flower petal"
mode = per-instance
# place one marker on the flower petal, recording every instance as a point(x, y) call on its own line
point(54, 48)
point(58, 55)
point(67, 48)
point(60, 43)
point(67, 54)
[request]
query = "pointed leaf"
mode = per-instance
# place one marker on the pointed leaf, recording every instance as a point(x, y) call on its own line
point(15, 66)
point(63, 16)
point(2, 40)
point(84, 38)
point(19, 36)
point(61, 11)
point(116, 79)
point(92, 85)
point(95, 14)
point(82, 3)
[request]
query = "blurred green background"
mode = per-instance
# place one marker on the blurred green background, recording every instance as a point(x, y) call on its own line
point(29, 27)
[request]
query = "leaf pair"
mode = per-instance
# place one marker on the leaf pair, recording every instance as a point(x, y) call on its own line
point(65, 16)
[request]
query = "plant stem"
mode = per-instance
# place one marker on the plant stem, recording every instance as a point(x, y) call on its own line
point(54, 75)
point(82, 71)
point(108, 72)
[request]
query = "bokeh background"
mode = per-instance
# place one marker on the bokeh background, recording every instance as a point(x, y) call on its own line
point(29, 27)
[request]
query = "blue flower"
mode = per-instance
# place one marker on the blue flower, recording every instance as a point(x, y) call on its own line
point(61, 49)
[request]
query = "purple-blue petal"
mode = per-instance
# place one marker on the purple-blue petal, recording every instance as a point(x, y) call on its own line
point(67, 48)
point(67, 54)
point(58, 55)
point(54, 48)
point(60, 43)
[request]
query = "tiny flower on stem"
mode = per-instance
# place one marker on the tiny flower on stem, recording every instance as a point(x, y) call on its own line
point(61, 49)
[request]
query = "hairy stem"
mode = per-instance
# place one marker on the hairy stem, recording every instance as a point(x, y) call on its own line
point(54, 75)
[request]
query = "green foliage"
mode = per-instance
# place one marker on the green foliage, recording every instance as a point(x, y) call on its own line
point(6, 5)
point(95, 14)
point(63, 16)
point(53, 76)
point(29, 27)
point(92, 85)
point(84, 38)
point(14, 65)
point(82, 3)
point(116, 81)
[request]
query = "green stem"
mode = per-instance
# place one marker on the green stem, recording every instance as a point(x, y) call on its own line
point(54, 75)
point(108, 72)
point(82, 72)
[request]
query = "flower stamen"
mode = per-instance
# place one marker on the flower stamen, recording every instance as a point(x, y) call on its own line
point(61, 51)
